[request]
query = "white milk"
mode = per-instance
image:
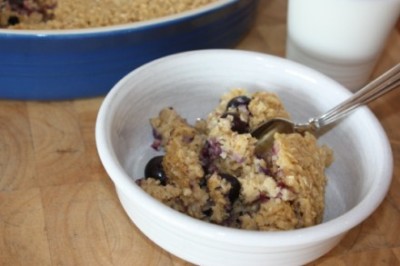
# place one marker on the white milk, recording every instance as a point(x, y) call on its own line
point(341, 38)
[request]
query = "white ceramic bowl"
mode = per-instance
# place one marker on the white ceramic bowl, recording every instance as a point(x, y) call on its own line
point(192, 83)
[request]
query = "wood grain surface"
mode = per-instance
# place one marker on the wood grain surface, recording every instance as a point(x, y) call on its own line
point(58, 206)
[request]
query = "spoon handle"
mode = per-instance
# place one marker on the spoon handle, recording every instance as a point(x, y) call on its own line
point(378, 87)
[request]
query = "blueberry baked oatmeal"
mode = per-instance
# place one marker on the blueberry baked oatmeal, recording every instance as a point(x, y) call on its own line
point(210, 170)
point(14, 12)
point(74, 14)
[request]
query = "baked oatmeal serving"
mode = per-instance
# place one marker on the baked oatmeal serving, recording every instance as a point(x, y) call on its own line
point(75, 14)
point(210, 171)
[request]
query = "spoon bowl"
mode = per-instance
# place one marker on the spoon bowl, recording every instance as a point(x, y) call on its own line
point(265, 132)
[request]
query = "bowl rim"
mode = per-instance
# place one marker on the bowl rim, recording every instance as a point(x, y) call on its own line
point(330, 229)
point(151, 23)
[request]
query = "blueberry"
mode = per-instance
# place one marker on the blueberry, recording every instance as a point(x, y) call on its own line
point(239, 100)
point(235, 186)
point(237, 125)
point(263, 198)
point(13, 20)
point(204, 157)
point(156, 145)
point(19, 4)
point(154, 169)
point(210, 152)
point(208, 212)
point(203, 182)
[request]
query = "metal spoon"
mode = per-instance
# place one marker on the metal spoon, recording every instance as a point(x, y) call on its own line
point(378, 87)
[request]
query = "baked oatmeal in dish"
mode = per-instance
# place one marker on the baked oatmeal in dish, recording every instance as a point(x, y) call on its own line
point(75, 14)
point(210, 171)
point(15, 12)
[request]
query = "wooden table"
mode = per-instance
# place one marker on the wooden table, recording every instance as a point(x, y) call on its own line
point(58, 207)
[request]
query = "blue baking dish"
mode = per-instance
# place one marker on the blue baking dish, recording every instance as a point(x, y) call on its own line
point(69, 64)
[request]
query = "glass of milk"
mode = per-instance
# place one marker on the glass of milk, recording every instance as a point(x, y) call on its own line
point(340, 38)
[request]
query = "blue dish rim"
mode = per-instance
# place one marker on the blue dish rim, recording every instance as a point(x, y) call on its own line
point(134, 26)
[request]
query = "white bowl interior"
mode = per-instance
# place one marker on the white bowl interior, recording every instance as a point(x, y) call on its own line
point(194, 88)
point(192, 83)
